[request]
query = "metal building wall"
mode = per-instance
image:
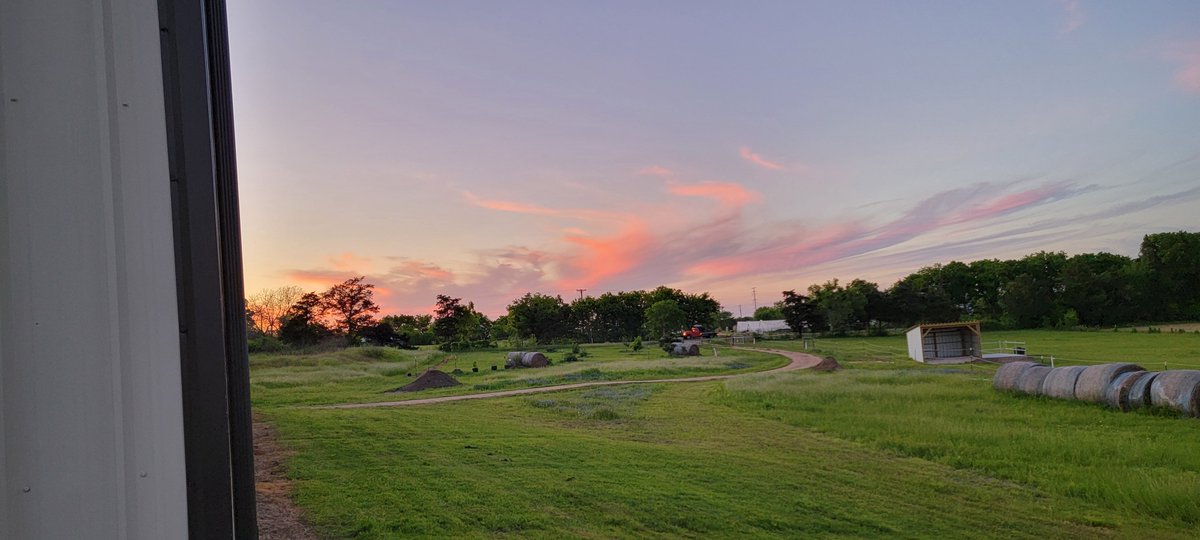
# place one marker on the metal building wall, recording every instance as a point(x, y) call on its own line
point(91, 430)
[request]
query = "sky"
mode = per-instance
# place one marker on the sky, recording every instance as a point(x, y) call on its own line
point(488, 149)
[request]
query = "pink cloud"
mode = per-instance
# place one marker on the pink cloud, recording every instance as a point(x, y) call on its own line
point(727, 193)
point(759, 160)
point(1187, 74)
point(350, 262)
point(686, 245)
point(1075, 17)
point(656, 170)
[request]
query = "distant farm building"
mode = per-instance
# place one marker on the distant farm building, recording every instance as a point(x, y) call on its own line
point(761, 327)
point(945, 343)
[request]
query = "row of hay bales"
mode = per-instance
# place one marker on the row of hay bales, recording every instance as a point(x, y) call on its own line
point(1121, 386)
point(519, 359)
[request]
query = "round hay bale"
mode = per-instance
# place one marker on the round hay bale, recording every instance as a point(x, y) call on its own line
point(1007, 374)
point(513, 359)
point(1117, 393)
point(678, 349)
point(1060, 382)
point(534, 359)
point(1095, 380)
point(693, 350)
point(1030, 380)
point(1139, 393)
point(1178, 390)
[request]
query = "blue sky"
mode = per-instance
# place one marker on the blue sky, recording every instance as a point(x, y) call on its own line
point(486, 149)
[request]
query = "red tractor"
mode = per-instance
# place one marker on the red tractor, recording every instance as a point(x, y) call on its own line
point(698, 332)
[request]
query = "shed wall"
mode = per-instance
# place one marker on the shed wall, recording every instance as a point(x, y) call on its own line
point(91, 442)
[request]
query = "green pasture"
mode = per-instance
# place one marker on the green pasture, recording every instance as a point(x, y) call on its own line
point(1177, 350)
point(367, 374)
point(886, 447)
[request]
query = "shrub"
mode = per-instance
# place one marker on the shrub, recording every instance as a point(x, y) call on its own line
point(264, 344)
point(637, 344)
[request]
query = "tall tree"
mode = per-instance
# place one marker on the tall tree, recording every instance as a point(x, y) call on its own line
point(543, 317)
point(350, 307)
point(301, 325)
point(664, 317)
point(451, 319)
point(269, 305)
point(801, 313)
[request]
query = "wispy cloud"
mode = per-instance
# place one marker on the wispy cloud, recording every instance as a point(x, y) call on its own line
point(656, 170)
point(1187, 72)
point(756, 159)
point(728, 194)
point(670, 241)
point(1074, 16)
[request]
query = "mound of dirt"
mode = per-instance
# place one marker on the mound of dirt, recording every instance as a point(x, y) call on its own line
point(827, 364)
point(430, 379)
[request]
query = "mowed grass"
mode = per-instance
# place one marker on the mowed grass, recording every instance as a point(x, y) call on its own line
point(887, 447)
point(667, 460)
point(1129, 463)
point(1178, 351)
point(368, 374)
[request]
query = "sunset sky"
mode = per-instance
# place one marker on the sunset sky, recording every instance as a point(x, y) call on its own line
point(488, 149)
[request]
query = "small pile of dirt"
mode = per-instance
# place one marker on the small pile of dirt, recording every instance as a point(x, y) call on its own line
point(827, 364)
point(430, 379)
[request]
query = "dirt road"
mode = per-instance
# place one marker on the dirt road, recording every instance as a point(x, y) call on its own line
point(798, 361)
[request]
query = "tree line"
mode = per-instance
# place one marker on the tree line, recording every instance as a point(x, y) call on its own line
point(346, 313)
point(1044, 289)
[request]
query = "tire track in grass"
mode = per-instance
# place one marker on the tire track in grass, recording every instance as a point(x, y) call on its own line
point(799, 360)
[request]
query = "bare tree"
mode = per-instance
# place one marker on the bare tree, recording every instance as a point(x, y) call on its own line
point(268, 305)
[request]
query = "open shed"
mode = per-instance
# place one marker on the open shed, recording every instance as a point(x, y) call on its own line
point(945, 343)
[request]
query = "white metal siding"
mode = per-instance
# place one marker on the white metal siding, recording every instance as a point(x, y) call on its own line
point(91, 442)
point(915, 345)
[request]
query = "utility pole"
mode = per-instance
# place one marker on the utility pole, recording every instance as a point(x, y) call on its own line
point(754, 291)
point(739, 311)
point(581, 293)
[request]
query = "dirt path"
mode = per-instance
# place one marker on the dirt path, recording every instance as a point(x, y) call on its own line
point(278, 516)
point(798, 361)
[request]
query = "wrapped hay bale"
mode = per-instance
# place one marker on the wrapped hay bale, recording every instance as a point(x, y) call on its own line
point(513, 359)
point(1139, 393)
point(1007, 375)
point(1094, 380)
point(1030, 380)
point(534, 359)
point(1117, 393)
point(1060, 382)
point(693, 350)
point(1178, 390)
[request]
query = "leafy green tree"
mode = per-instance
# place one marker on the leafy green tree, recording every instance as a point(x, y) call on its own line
point(768, 313)
point(801, 313)
point(1171, 262)
point(451, 319)
point(301, 325)
point(664, 318)
point(350, 307)
point(543, 317)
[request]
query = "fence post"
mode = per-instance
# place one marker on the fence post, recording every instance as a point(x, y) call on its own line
point(1052, 360)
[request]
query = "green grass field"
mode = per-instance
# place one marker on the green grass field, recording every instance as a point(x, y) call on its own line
point(367, 374)
point(882, 448)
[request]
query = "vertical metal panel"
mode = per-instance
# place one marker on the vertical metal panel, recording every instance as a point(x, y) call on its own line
point(91, 427)
point(220, 458)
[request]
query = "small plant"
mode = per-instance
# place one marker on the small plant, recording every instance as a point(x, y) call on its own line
point(575, 349)
point(570, 357)
point(493, 367)
point(637, 344)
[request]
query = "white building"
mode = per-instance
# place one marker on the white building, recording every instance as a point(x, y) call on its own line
point(761, 327)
